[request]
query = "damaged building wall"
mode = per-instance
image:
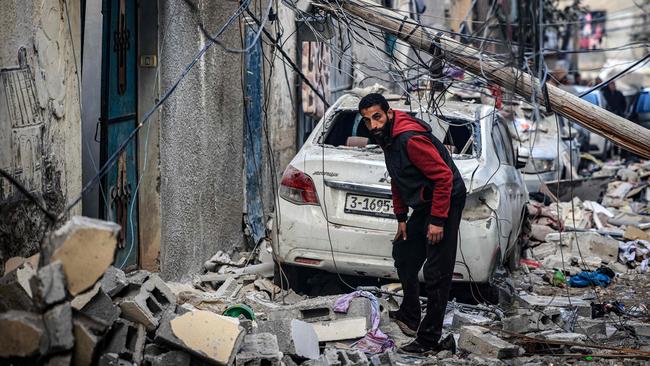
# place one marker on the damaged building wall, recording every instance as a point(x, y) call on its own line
point(201, 138)
point(40, 141)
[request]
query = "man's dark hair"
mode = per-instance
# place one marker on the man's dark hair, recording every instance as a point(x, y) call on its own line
point(374, 99)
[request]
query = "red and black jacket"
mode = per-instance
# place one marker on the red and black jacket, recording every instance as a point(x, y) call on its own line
point(422, 171)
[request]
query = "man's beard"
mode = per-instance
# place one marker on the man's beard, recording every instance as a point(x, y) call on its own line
point(382, 135)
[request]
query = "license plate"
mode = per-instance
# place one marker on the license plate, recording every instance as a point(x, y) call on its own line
point(367, 205)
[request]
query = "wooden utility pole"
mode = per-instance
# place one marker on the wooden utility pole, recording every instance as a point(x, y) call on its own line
point(622, 132)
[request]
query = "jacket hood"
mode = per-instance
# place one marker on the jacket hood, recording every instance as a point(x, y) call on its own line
point(403, 122)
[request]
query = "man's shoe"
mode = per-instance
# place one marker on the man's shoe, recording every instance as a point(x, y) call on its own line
point(448, 343)
point(417, 348)
point(405, 328)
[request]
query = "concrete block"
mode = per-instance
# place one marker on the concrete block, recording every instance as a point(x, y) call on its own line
point(137, 278)
point(213, 337)
point(151, 300)
point(461, 319)
point(565, 337)
point(111, 359)
point(126, 339)
point(87, 334)
point(339, 357)
point(58, 327)
point(475, 339)
point(113, 281)
point(592, 328)
point(294, 337)
point(171, 358)
point(534, 321)
point(259, 349)
point(322, 309)
point(15, 289)
point(341, 329)
point(229, 289)
point(22, 334)
point(48, 286)
point(86, 248)
point(97, 304)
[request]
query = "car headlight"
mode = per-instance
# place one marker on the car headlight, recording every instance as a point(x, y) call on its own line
point(539, 166)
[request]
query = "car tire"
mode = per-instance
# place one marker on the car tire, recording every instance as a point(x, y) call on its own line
point(523, 233)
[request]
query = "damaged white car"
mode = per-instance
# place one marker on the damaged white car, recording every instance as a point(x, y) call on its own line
point(335, 209)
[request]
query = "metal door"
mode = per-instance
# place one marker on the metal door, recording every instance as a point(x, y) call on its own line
point(118, 119)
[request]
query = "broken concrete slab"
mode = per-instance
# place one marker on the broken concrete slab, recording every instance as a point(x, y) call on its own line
point(564, 337)
point(22, 334)
point(295, 337)
point(534, 321)
point(640, 328)
point(150, 301)
point(478, 340)
point(229, 289)
point(586, 244)
point(58, 327)
point(15, 289)
point(48, 286)
point(341, 329)
point(86, 248)
point(210, 335)
point(259, 349)
point(592, 328)
point(320, 309)
point(113, 281)
point(215, 338)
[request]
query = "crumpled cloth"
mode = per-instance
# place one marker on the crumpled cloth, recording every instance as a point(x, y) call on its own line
point(595, 278)
point(375, 341)
point(634, 250)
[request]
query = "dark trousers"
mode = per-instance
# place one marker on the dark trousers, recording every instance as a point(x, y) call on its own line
point(438, 259)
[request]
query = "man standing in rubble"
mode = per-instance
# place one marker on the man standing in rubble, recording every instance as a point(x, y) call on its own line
point(424, 178)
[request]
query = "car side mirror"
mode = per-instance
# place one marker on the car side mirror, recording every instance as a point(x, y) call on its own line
point(520, 161)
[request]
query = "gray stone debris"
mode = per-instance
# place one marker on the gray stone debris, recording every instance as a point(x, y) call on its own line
point(340, 357)
point(22, 334)
point(259, 349)
point(48, 286)
point(15, 289)
point(478, 340)
point(58, 327)
point(294, 337)
point(113, 281)
point(126, 339)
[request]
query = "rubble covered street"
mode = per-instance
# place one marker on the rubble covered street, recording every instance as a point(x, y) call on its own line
point(580, 296)
point(324, 182)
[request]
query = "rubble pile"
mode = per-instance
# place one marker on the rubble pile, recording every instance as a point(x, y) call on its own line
point(581, 293)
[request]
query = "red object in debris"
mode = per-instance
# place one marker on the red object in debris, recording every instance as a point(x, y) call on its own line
point(298, 187)
point(530, 263)
point(497, 94)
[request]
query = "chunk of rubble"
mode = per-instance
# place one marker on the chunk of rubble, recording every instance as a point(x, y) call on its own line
point(87, 336)
point(529, 301)
point(294, 337)
point(15, 262)
point(15, 289)
point(95, 303)
point(146, 304)
point(22, 334)
point(126, 339)
point(58, 329)
point(215, 338)
point(534, 321)
point(340, 357)
point(341, 329)
point(113, 281)
point(85, 248)
point(478, 340)
point(259, 349)
point(48, 286)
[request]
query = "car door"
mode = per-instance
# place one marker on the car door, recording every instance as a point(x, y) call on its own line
point(514, 184)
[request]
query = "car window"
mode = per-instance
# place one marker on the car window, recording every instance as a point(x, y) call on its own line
point(346, 124)
point(462, 137)
point(500, 145)
point(507, 143)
